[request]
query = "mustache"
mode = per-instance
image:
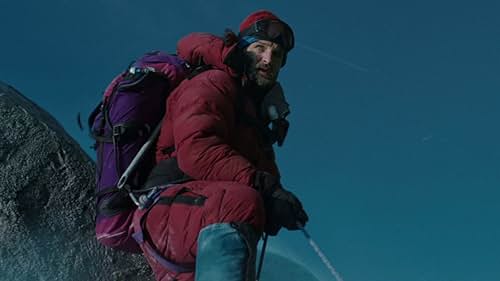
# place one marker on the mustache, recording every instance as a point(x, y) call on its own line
point(265, 68)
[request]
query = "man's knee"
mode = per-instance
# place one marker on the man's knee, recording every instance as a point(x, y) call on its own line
point(243, 204)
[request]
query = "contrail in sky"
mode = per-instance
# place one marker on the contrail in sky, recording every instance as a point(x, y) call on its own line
point(332, 57)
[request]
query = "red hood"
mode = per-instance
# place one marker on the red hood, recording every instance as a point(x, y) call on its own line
point(210, 49)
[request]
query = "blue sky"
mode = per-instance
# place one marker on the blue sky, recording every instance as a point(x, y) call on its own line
point(394, 147)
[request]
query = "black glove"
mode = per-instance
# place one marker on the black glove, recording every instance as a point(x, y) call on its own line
point(283, 208)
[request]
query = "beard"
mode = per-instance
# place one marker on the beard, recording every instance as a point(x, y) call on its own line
point(260, 75)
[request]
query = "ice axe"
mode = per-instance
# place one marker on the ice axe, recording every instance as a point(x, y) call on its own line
point(122, 183)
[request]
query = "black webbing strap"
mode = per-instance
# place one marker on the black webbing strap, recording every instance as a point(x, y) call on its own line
point(123, 132)
point(197, 70)
point(101, 138)
point(182, 199)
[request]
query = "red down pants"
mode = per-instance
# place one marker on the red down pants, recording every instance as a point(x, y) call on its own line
point(173, 229)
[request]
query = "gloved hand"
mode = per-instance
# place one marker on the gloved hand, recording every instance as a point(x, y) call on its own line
point(283, 208)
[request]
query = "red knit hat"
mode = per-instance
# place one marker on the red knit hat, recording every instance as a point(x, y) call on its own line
point(265, 25)
point(255, 17)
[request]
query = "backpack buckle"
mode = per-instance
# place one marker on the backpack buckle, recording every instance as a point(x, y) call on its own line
point(118, 131)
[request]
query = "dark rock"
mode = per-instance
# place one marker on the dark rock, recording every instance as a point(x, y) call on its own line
point(47, 205)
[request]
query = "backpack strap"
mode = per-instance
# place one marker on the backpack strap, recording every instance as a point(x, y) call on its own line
point(182, 199)
point(123, 132)
point(197, 70)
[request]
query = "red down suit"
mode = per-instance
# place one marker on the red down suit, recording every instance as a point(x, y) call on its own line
point(214, 148)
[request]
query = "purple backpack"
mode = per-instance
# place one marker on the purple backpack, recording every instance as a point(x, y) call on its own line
point(133, 106)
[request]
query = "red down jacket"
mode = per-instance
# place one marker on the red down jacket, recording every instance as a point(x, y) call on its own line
point(202, 120)
point(221, 154)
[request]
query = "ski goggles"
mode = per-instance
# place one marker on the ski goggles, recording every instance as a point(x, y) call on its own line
point(272, 30)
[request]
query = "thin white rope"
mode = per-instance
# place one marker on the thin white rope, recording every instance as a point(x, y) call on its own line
point(322, 256)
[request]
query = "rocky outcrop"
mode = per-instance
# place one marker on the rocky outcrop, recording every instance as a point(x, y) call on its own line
point(47, 204)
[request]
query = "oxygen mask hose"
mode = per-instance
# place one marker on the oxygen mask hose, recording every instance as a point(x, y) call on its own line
point(318, 251)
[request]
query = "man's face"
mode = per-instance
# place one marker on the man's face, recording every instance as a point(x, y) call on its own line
point(266, 58)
